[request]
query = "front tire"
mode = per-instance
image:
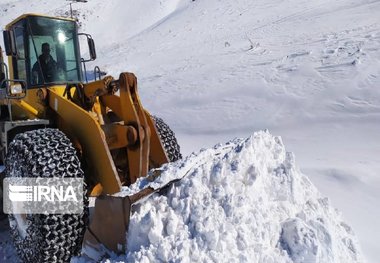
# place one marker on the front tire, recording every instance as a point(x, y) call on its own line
point(39, 237)
point(168, 139)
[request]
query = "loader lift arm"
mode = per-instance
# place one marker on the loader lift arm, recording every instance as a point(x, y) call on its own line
point(136, 133)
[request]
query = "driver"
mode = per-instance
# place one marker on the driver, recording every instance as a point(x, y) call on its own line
point(46, 64)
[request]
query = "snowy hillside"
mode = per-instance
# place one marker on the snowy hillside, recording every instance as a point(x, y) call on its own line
point(219, 69)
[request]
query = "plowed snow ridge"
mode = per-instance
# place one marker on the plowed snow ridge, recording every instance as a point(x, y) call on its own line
point(245, 201)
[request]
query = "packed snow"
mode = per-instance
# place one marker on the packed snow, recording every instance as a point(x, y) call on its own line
point(219, 69)
point(245, 201)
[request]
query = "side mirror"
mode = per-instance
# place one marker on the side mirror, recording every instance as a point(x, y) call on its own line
point(14, 89)
point(9, 43)
point(91, 47)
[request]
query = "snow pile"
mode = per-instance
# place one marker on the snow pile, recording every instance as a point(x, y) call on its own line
point(240, 202)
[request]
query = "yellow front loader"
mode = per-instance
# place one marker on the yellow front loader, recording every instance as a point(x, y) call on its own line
point(54, 124)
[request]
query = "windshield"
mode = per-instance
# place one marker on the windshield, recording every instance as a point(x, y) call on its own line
point(53, 51)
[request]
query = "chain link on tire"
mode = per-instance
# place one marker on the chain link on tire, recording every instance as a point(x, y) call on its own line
point(168, 139)
point(48, 238)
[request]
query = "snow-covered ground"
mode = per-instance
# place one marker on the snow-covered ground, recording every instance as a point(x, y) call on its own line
point(309, 71)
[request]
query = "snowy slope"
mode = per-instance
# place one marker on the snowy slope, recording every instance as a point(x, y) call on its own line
point(307, 70)
point(218, 69)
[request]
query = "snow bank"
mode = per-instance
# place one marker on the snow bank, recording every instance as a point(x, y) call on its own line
point(241, 202)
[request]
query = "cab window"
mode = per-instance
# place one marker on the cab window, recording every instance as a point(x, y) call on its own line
point(53, 53)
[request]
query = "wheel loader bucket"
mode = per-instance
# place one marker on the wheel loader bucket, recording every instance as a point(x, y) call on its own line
point(108, 227)
point(109, 221)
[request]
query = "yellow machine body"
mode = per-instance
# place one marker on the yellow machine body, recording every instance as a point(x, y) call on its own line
point(89, 129)
point(104, 119)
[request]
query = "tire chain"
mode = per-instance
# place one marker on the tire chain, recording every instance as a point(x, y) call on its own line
point(168, 139)
point(55, 237)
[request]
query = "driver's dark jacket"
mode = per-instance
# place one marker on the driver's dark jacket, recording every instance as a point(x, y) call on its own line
point(49, 69)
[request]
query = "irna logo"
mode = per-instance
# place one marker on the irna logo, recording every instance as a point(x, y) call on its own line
point(23, 193)
point(43, 195)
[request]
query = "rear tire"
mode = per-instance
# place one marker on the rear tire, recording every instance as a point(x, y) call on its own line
point(46, 238)
point(168, 139)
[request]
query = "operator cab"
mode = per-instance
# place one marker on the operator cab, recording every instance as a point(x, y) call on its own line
point(44, 50)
